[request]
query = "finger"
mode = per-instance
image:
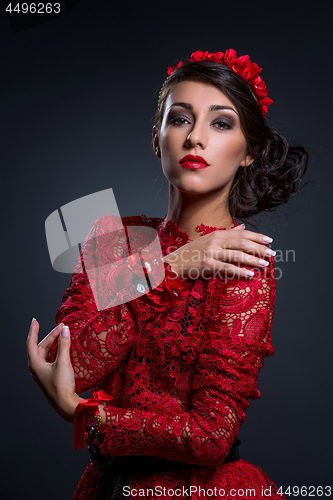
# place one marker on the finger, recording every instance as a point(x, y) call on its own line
point(249, 246)
point(32, 348)
point(231, 256)
point(64, 342)
point(45, 344)
point(233, 272)
point(251, 236)
point(241, 226)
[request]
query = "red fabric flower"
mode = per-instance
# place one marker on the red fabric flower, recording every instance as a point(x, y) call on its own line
point(199, 55)
point(170, 290)
point(217, 57)
point(171, 69)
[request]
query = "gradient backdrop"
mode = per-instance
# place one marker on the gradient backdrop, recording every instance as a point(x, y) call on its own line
point(77, 100)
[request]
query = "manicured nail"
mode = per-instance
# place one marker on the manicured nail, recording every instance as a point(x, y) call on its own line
point(270, 252)
point(263, 263)
point(267, 239)
point(33, 319)
point(249, 273)
point(65, 331)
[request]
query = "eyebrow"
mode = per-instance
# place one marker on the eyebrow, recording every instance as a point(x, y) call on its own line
point(214, 107)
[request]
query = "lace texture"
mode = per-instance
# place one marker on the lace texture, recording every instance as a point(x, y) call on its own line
point(180, 363)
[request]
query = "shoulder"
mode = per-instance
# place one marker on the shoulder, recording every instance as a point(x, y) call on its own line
point(111, 228)
point(113, 222)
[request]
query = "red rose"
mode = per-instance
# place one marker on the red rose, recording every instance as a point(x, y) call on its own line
point(171, 69)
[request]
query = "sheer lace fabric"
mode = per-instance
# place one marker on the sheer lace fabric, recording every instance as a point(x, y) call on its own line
point(179, 363)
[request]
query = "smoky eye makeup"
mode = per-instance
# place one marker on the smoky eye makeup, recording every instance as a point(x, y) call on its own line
point(227, 118)
point(177, 114)
point(178, 120)
point(222, 124)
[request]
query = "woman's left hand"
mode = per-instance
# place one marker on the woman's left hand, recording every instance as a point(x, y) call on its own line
point(56, 380)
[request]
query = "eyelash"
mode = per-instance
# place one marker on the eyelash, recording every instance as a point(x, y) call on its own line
point(174, 120)
point(227, 126)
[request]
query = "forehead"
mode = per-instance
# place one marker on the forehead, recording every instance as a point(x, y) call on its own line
point(200, 95)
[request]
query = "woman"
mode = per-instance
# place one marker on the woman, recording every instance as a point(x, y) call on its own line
point(171, 371)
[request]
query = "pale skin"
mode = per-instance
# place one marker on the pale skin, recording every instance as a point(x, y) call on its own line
point(56, 380)
point(195, 197)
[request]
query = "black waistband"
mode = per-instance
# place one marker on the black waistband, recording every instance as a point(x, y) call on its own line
point(115, 471)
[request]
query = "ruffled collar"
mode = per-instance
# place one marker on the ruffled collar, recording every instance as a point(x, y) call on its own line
point(172, 237)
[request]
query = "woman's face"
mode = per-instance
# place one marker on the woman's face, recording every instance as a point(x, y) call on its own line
point(200, 120)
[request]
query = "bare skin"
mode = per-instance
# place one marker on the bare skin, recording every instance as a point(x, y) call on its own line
point(195, 197)
point(56, 380)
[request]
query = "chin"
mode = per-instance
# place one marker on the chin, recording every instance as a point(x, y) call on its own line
point(191, 189)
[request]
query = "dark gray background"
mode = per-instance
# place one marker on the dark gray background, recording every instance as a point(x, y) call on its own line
point(77, 100)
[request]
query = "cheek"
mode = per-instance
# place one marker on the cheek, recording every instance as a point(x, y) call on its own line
point(169, 147)
point(233, 150)
point(169, 137)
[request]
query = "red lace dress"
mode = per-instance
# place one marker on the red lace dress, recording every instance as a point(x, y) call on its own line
point(179, 364)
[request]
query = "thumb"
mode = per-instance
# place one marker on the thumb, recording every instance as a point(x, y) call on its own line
point(241, 226)
point(64, 342)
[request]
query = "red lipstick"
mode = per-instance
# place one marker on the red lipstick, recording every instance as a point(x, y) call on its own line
point(194, 162)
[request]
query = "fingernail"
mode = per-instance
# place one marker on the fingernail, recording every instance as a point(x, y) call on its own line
point(65, 331)
point(270, 252)
point(249, 273)
point(266, 239)
point(33, 319)
point(263, 263)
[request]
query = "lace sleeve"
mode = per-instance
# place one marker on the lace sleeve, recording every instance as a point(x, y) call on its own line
point(228, 361)
point(100, 339)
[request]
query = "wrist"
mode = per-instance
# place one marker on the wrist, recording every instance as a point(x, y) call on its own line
point(71, 408)
point(102, 414)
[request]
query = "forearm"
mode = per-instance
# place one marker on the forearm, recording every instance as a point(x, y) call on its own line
point(179, 436)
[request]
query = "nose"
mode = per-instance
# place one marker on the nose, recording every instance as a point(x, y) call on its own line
point(197, 136)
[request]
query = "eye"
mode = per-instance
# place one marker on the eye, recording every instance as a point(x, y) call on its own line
point(179, 120)
point(222, 125)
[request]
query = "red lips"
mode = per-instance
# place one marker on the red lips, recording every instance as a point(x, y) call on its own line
point(195, 162)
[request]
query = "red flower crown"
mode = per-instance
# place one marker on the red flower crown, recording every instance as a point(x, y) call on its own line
point(242, 65)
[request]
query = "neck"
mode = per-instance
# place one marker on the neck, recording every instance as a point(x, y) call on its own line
point(188, 210)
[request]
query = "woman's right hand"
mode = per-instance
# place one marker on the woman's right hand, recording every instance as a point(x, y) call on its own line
point(222, 252)
point(56, 380)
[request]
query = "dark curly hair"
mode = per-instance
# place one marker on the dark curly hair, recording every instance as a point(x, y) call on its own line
point(278, 169)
